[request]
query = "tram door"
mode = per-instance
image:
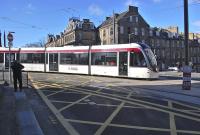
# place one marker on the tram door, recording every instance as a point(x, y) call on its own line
point(12, 58)
point(53, 62)
point(123, 63)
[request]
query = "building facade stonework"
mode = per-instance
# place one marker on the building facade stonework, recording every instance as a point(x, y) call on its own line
point(126, 27)
point(77, 33)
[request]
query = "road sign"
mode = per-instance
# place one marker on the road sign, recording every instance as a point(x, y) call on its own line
point(10, 37)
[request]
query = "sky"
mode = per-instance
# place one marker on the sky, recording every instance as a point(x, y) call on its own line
point(32, 20)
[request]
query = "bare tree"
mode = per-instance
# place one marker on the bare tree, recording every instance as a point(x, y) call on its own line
point(40, 43)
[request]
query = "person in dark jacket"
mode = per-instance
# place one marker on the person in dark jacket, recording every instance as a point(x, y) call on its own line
point(17, 74)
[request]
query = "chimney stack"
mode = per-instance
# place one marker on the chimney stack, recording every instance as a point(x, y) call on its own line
point(133, 9)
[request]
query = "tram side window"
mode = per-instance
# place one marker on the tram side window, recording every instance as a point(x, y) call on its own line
point(74, 58)
point(26, 58)
point(1, 58)
point(104, 58)
point(137, 59)
point(32, 58)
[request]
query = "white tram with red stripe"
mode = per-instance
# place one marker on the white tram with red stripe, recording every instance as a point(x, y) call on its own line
point(127, 60)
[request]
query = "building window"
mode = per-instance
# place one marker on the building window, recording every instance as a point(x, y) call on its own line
point(136, 31)
point(143, 32)
point(104, 42)
point(93, 36)
point(104, 33)
point(131, 18)
point(80, 36)
point(129, 30)
point(121, 30)
point(91, 26)
point(111, 31)
point(151, 33)
point(136, 19)
point(157, 33)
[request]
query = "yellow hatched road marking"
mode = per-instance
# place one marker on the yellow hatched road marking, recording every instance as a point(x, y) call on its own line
point(143, 105)
point(132, 102)
point(140, 104)
point(145, 102)
point(66, 125)
point(110, 118)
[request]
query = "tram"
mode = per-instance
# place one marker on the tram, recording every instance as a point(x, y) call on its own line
point(135, 60)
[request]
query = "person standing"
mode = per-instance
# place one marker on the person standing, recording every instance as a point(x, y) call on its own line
point(17, 74)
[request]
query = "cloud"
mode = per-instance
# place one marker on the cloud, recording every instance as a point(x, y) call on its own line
point(156, 1)
point(131, 2)
point(29, 8)
point(196, 23)
point(192, 1)
point(95, 10)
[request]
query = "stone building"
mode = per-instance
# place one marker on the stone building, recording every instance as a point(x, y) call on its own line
point(169, 49)
point(76, 33)
point(125, 27)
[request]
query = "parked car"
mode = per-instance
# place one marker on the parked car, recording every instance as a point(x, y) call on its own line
point(173, 69)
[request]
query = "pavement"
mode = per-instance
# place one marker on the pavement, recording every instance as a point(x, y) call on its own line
point(17, 115)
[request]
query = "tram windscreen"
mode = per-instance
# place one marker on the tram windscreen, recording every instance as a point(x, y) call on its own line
point(151, 58)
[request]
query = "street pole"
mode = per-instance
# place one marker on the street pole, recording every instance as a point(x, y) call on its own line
point(9, 43)
point(186, 29)
point(186, 69)
point(45, 57)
